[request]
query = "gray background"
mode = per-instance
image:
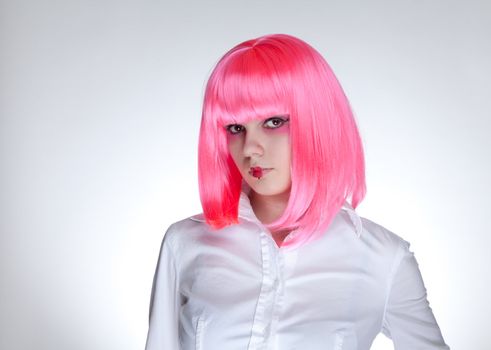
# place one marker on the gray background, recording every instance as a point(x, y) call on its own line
point(100, 105)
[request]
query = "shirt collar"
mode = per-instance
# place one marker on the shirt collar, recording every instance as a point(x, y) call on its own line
point(354, 217)
point(246, 212)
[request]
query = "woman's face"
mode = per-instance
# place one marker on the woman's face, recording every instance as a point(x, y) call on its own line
point(265, 144)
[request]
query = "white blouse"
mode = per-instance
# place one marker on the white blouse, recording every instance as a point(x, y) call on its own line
point(234, 289)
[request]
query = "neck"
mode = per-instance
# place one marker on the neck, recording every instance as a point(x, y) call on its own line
point(268, 208)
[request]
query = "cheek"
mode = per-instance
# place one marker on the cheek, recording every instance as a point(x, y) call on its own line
point(234, 149)
point(280, 138)
point(281, 143)
point(283, 131)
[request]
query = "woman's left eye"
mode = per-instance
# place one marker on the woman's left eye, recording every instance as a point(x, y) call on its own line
point(276, 122)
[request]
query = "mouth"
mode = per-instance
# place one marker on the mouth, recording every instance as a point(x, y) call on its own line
point(258, 171)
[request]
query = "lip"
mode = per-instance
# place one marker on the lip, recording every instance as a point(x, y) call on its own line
point(259, 171)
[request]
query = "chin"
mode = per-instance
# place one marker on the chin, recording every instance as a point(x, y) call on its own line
point(268, 190)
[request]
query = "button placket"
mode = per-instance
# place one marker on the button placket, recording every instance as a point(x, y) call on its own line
point(271, 295)
point(278, 287)
point(264, 310)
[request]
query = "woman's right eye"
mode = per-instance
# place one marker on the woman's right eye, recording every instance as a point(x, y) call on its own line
point(234, 128)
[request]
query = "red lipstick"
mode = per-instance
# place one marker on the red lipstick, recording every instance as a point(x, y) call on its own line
point(258, 171)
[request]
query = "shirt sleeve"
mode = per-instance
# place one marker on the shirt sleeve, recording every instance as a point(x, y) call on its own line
point(408, 318)
point(164, 302)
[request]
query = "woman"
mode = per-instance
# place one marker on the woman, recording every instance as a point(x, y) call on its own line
point(279, 259)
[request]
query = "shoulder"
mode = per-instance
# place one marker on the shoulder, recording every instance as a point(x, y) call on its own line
point(184, 229)
point(194, 232)
point(383, 240)
point(379, 232)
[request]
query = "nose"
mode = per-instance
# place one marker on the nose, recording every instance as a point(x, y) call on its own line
point(253, 144)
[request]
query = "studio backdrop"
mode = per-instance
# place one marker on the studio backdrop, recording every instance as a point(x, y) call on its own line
point(100, 104)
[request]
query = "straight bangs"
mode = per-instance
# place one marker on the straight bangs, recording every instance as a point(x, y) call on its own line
point(249, 85)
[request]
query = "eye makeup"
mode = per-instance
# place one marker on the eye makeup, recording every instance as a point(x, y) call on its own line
point(272, 123)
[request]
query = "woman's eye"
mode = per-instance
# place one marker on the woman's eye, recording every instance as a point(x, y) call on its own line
point(275, 122)
point(234, 128)
point(271, 123)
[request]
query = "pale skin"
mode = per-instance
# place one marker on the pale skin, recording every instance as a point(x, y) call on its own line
point(264, 143)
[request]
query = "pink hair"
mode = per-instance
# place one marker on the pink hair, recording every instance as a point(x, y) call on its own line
point(273, 75)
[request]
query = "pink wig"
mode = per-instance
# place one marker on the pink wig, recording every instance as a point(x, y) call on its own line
point(276, 75)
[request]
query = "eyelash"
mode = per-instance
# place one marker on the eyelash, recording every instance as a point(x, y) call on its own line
point(283, 121)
